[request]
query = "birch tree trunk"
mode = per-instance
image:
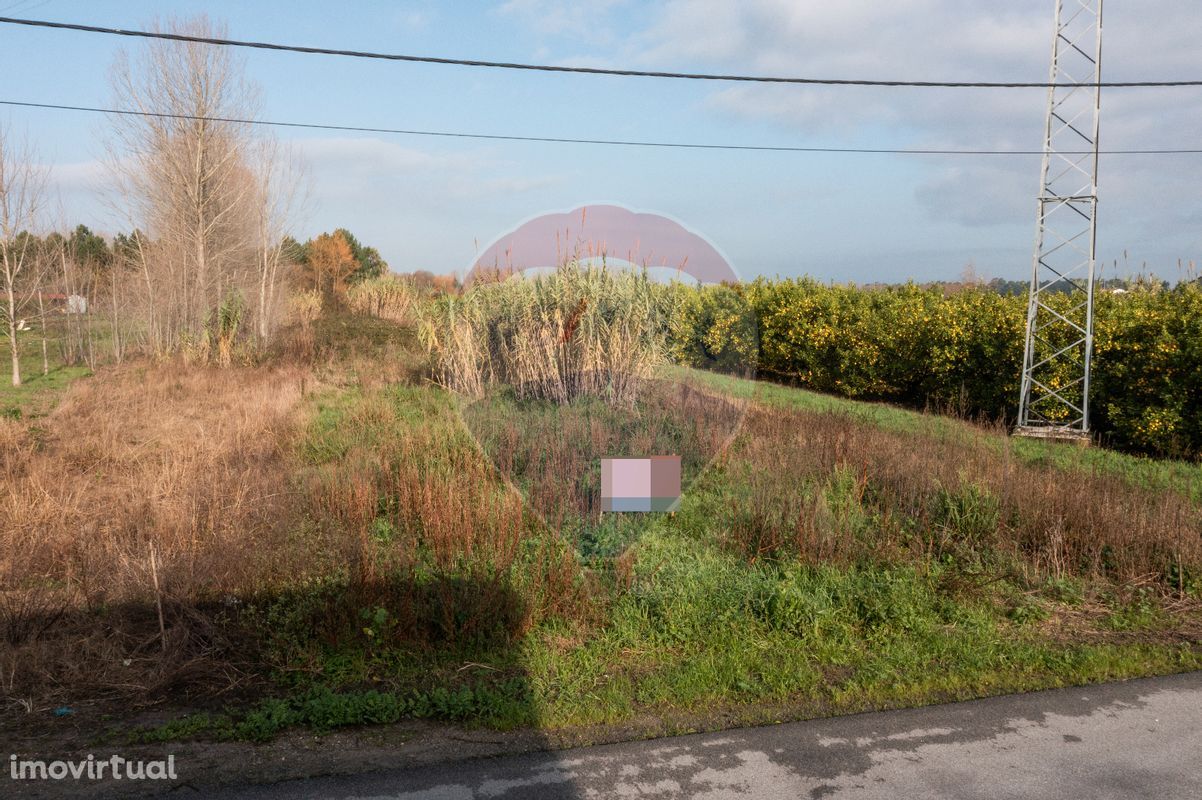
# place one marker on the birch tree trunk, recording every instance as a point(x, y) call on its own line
point(22, 187)
point(42, 317)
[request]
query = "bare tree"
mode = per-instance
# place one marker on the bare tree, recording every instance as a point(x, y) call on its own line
point(279, 197)
point(79, 272)
point(187, 178)
point(22, 192)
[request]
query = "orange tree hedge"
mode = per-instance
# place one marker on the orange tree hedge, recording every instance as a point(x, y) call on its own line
point(961, 351)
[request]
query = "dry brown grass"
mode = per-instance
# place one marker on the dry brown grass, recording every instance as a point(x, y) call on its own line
point(186, 461)
point(554, 453)
point(832, 487)
point(159, 499)
point(386, 297)
point(430, 531)
point(148, 474)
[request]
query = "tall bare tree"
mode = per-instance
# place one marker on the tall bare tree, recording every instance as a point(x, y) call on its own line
point(22, 193)
point(279, 198)
point(186, 172)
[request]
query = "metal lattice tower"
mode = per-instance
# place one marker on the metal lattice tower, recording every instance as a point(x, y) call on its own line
point(1059, 340)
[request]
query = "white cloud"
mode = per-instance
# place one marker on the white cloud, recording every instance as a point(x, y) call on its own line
point(582, 21)
point(392, 196)
point(952, 40)
point(414, 17)
point(371, 156)
point(77, 176)
point(351, 166)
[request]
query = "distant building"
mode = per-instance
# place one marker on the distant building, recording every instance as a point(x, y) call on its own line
point(67, 303)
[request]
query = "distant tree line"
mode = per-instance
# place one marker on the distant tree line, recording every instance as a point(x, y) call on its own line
point(80, 276)
point(426, 281)
point(1013, 288)
point(204, 266)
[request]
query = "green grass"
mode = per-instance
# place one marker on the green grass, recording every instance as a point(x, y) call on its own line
point(701, 628)
point(323, 710)
point(1181, 476)
point(681, 626)
point(701, 631)
point(38, 392)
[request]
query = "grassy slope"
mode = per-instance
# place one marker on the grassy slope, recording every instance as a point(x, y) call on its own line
point(1181, 476)
point(689, 632)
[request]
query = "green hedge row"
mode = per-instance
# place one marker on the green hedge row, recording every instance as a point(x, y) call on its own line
point(959, 351)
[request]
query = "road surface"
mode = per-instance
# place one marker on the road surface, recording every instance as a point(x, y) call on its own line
point(1124, 740)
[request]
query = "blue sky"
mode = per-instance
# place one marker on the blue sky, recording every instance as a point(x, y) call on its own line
point(433, 203)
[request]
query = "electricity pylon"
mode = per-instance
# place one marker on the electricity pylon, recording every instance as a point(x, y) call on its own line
point(1059, 340)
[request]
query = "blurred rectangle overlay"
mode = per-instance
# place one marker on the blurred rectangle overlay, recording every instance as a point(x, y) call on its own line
point(640, 484)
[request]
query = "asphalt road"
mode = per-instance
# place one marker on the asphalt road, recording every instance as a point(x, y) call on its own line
point(1124, 740)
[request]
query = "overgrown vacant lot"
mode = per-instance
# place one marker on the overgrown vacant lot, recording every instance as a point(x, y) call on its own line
point(326, 538)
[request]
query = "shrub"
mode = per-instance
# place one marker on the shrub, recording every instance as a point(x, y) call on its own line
point(1147, 382)
point(305, 307)
point(714, 327)
point(958, 352)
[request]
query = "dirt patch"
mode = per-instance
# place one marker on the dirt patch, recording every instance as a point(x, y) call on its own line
point(1179, 622)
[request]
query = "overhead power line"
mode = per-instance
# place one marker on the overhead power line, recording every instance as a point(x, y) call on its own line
point(917, 151)
point(636, 73)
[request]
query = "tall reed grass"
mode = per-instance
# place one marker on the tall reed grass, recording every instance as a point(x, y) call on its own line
point(581, 330)
point(387, 297)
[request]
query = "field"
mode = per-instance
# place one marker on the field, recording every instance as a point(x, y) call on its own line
point(326, 538)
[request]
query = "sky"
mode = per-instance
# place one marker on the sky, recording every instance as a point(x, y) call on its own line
point(435, 203)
